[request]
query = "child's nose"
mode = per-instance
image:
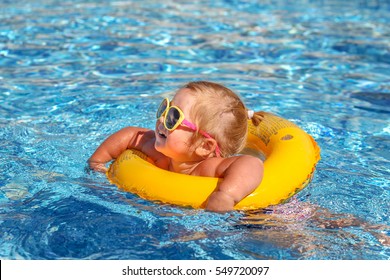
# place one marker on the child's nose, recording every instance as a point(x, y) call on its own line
point(160, 123)
point(161, 120)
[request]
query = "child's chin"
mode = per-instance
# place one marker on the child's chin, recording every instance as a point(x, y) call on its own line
point(159, 146)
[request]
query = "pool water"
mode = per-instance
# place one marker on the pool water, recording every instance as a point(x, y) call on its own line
point(73, 72)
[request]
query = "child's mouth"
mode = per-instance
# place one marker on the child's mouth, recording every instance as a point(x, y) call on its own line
point(162, 135)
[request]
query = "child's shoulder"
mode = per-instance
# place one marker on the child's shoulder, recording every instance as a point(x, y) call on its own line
point(136, 134)
point(217, 166)
point(144, 141)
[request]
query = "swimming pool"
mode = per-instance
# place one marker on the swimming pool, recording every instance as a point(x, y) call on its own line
point(73, 72)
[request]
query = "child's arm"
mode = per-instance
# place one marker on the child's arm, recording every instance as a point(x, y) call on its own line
point(114, 145)
point(241, 176)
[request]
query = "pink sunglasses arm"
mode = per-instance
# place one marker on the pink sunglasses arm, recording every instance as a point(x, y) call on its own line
point(205, 134)
point(190, 125)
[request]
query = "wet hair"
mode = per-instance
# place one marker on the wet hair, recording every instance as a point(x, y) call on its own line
point(222, 114)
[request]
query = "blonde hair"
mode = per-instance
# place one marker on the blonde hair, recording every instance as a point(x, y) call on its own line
point(222, 114)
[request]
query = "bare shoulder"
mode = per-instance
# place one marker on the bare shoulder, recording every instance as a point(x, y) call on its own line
point(143, 139)
point(131, 137)
point(218, 167)
point(133, 134)
point(115, 144)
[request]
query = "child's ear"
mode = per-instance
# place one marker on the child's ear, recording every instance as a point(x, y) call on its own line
point(206, 148)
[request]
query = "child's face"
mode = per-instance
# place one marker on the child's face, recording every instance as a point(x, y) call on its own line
point(177, 144)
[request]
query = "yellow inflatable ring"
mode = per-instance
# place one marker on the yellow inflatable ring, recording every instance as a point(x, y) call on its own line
point(290, 159)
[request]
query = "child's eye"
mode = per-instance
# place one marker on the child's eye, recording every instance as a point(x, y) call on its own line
point(172, 118)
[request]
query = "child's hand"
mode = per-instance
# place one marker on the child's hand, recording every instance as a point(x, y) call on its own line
point(241, 176)
point(97, 166)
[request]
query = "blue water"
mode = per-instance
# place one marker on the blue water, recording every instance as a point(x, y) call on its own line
point(73, 72)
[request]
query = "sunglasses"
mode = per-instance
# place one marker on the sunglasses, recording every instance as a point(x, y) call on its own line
point(173, 117)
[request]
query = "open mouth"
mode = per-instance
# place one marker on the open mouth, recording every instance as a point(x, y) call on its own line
point(162, 135)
